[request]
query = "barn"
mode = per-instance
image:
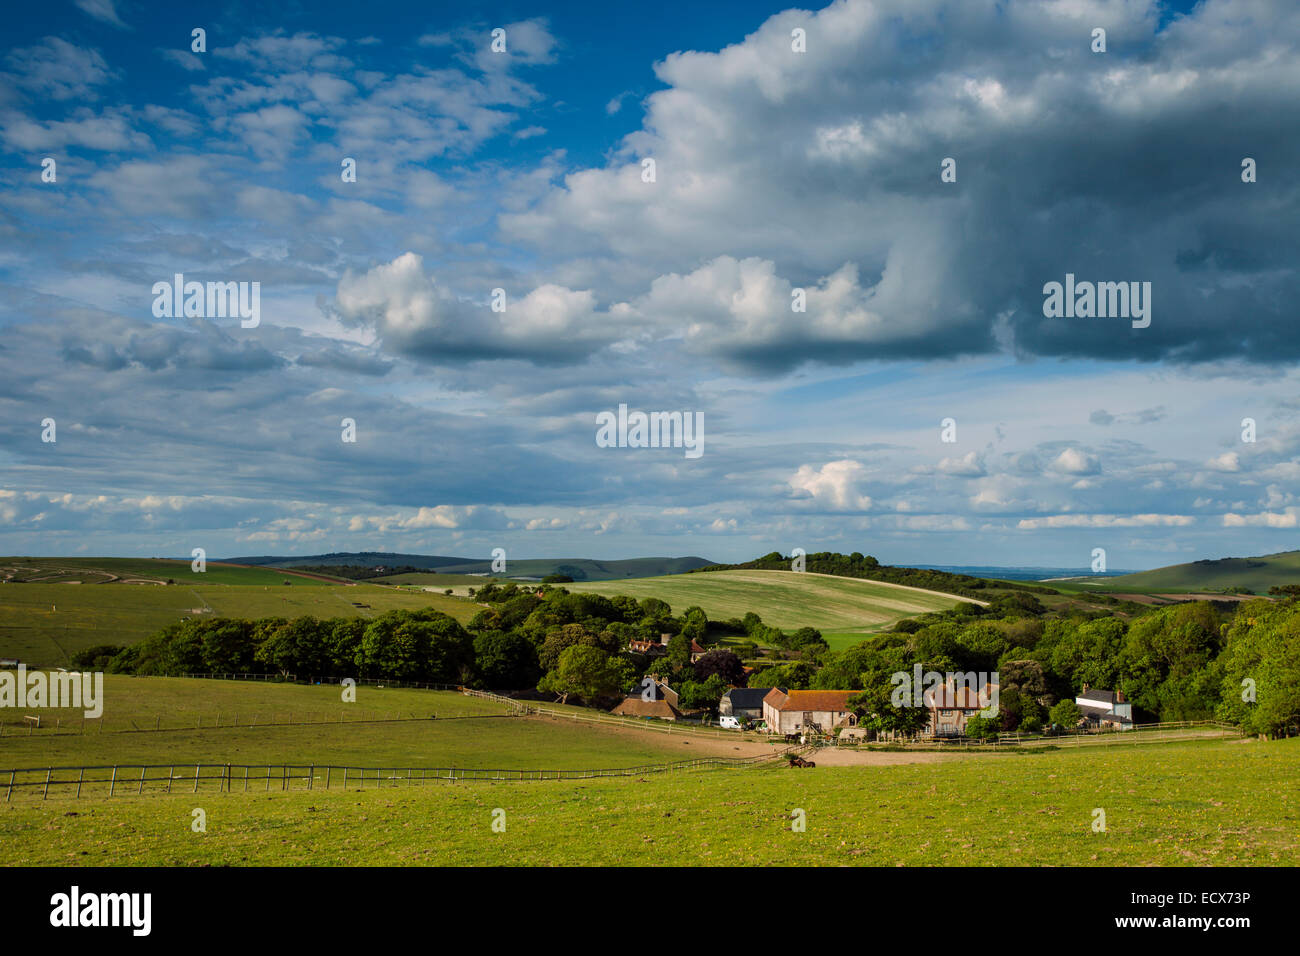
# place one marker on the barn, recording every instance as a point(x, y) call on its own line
point(807, 711)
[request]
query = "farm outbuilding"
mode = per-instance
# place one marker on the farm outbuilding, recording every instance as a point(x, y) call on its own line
point(743, 702)
point(634, 706)
point(807, 711)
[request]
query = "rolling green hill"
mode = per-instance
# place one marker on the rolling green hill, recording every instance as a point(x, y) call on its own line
point(1257, 574)
point(844, 609)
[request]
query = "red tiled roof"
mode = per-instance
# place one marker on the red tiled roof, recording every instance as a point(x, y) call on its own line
point(827, 700)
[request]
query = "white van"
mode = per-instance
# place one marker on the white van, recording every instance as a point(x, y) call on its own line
point(729, 722)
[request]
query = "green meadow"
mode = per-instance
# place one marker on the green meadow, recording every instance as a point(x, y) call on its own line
point(243, 722)
point(844, 609)
point(1207, 804)
point(45, 623)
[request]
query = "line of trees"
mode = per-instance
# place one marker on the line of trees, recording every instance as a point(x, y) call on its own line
point(572, 645)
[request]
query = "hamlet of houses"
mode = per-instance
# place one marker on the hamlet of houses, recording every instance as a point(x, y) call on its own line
point(779, 710)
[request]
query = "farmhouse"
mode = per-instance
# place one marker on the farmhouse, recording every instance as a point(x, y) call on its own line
point(660, 647)
point(807, 711)
point(653, 648)
point(1105, 708)
point(743, 702)
point(950, 707)
point(659, 701)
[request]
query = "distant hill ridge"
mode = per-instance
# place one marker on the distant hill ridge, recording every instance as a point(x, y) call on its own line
point(580, 569)
point(1256, 574)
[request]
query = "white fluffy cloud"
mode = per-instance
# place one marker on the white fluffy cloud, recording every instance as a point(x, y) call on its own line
point(1074, 461)
point(413, 314)
point(1228, 461)
point(834, 486)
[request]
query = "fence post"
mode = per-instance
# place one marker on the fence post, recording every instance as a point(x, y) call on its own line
point(171, 772)
point(80, 777)
point(311, 778)
point(113, 785)
point(140, 789)
point(48, 772)
point(197, 768)
point(327, 777)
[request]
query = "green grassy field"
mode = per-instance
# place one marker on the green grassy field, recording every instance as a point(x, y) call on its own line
point(844, 609)
point(179, 702)
point(1258, 574)
point(460, 584)
point(1191, 805)
point(46, 623)
point(356, 734)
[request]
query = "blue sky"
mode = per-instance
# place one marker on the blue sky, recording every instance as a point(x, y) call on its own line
point(775, 171)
